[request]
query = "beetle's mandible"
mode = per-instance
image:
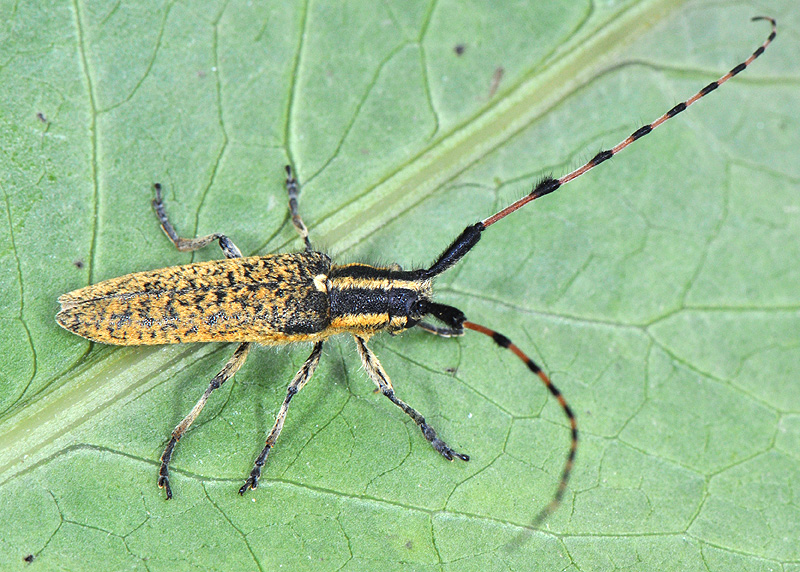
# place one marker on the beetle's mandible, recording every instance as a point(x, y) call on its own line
point(306, 297)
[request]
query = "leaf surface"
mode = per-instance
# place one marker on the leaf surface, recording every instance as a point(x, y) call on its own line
point(660, 291)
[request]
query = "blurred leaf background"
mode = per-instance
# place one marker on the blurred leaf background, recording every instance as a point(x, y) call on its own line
point(661, 291)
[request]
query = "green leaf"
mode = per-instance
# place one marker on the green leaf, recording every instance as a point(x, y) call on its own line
point(660, 291)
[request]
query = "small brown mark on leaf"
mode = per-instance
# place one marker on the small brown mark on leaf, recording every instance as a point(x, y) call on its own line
point(497, 77)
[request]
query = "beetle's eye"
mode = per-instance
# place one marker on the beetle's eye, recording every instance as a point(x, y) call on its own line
point(419, 307)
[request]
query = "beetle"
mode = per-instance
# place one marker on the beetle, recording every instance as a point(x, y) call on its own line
point(306, 297)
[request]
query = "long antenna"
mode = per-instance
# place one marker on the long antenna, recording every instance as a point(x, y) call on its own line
point(472, 234)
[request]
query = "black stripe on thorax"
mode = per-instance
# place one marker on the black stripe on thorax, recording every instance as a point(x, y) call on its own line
point(358, 301)
point(367, 272)
point(355, 301)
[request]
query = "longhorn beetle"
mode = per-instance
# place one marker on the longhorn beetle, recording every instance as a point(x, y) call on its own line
point(306, 297)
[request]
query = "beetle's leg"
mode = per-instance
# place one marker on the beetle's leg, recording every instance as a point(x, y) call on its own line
point(504, 342)
point(233, 365)
point(443, 332)
point(188, 244)
point(296, 385)
point(293, 192)
point(381, 379)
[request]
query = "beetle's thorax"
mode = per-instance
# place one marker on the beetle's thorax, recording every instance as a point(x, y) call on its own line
point(368, 299)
